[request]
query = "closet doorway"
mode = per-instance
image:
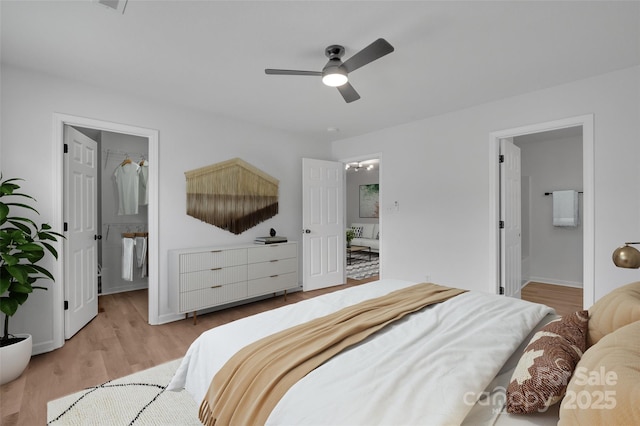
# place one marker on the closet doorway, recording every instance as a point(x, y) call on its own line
point(122, 210)
point(102, 268)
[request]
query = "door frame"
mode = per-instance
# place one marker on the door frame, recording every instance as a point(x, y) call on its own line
point(588, 251)
point(59, 121)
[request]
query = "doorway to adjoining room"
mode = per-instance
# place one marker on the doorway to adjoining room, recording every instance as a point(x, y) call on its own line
point(363, 219)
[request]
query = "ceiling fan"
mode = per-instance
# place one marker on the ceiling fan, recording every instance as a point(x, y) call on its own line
point(335, 72)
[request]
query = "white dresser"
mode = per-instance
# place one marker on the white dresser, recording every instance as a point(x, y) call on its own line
point(210, 276)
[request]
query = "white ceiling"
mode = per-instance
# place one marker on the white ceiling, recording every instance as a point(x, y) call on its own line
point(211, 55)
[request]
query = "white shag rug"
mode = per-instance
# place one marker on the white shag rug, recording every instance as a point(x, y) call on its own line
point(361, 267)
point(136, 399)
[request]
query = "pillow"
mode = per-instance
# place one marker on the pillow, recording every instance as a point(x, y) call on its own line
point(545, 367)
point(605, 388)
point(615, 310)
point(367, 230)
point(357, 231)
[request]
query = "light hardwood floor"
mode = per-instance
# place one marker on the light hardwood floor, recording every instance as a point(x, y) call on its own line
point(565, 300)
point(119, 342)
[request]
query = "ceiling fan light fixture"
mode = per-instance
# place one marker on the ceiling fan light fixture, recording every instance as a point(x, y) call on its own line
point(334, 76)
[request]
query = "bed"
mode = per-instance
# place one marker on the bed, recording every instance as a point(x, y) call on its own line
point(449, 363)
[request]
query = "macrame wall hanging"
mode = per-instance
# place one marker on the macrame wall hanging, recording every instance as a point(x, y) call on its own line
point(232, 195)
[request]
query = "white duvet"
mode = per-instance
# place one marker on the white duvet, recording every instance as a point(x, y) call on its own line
point(426, 369)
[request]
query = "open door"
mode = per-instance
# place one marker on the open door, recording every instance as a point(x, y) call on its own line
point(510, 219)
point(80, 217)
point(323, 238)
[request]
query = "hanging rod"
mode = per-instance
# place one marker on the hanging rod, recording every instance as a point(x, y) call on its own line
point(121, 152)
point(129, 224)
point(549, 193)
point(141, 227)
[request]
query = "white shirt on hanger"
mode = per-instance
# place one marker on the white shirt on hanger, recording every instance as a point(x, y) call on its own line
point(127, 181)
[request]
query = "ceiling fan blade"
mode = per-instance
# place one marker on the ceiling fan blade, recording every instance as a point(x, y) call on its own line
point(348, 92)
point(375, 50)
point(292, 72)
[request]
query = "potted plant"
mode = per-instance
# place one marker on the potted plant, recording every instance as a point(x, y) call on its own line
point(350, 235)
point(22, 244)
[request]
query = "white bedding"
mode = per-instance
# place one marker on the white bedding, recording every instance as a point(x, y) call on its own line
point(428, 368)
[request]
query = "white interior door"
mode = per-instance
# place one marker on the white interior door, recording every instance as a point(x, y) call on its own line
point(80, 246)
point(323, 238)
point(510, 217)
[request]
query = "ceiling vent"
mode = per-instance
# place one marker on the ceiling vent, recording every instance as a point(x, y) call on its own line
point(115, 5)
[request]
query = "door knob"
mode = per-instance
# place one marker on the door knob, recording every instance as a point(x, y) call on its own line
point(97, 237)
point(307, 231)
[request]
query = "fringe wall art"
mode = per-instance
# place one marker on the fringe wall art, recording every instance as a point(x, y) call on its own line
point(232, 195)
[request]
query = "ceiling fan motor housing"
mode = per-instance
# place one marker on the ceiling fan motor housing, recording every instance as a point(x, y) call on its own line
point(334, 51)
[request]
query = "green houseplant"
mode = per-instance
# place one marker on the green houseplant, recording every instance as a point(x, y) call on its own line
point(350, 235)
point(23, 243)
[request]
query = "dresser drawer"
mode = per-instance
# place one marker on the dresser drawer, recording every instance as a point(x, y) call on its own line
point(274, 267)
point(200, 261)
point(269, 252)
point(207, 297)
point(217, 276)
point(272, 284)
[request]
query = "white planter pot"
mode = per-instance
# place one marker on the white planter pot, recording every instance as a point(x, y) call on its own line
point(14, 359)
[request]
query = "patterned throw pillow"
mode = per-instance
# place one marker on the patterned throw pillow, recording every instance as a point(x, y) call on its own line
point(547, 363)
point(357, 231)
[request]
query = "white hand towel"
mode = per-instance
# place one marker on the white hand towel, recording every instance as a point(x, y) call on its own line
point(128, 246)
point(565, 208)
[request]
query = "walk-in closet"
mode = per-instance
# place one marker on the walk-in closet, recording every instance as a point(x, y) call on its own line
point(122, 211)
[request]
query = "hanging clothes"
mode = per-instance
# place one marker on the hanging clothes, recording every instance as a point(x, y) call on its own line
point(141, 253)
point(128, 184)
point(143, 192)
point(128, 245)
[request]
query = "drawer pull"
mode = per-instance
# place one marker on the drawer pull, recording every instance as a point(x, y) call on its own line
point(216, 251)
point(273, 276)
point(216, 286)
point(274, 260)
point(215, 269)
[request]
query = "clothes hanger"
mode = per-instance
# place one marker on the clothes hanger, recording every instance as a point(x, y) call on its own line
point(142, 160)
point(126, 161)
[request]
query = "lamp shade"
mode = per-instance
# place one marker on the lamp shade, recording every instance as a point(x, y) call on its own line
point(626, 256)
point(333, 74)
point(335, 78)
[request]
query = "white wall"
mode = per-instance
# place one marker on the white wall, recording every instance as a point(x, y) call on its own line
point(438, 171)
point(554, 163)
point(354, 180)
point(188, 139)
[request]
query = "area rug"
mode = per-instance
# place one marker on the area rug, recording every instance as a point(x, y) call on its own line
point(136, 399)
point(361, 267)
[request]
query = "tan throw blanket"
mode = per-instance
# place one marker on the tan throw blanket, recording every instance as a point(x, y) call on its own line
point(252, 382)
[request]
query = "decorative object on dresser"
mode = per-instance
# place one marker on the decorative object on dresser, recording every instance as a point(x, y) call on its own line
point(202, 278)
point(270, 240)
point(232, 195)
